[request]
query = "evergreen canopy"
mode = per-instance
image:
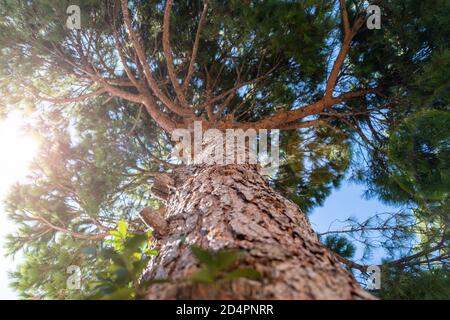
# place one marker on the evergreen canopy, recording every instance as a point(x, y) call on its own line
point(372, 104)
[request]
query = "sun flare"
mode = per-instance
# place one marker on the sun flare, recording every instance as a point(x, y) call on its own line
point(17, 149)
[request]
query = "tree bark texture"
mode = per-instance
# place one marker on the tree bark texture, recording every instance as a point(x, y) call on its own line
point(233, 207)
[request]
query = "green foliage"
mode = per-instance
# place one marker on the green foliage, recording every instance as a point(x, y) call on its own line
point(313, 164)
point(125, 263)
point(410, 55)
point(43, 272)
point(341, 245)
point(420, 150)
point(431, 284)
point(217, 267)
point(121, 239)
point(415, 173)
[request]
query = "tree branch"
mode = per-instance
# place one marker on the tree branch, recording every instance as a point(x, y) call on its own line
point(398, 262)
point(169, 57)
point(77, 235)
point(190, 72)
point(82, 97)
point(146, 68)
point(282, 117)
point(348, 36)
point(150, 105)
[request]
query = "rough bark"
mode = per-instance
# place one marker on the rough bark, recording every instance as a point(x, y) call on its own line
point(233, 207)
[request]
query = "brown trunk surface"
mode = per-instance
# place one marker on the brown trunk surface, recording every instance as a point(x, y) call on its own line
point(233, 207)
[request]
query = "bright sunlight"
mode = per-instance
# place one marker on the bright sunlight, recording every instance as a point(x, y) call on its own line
point(17, 151)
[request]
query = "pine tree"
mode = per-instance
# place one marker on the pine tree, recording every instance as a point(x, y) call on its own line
point(137, 70)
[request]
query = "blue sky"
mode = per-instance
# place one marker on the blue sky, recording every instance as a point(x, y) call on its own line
point(346, 202)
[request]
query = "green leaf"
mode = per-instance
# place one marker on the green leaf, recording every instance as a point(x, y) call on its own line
point(137, 256)
point(203, 276)
point(243, 273)
point(152, 252)
point(122, 277)
point(135, 242)
point(147, 283)
point(122, 228)
point(120, 294)
point(225, 259)
point(202, 255)
point(116, 234)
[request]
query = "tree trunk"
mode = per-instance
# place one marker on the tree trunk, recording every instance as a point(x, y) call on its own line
point(233, 207)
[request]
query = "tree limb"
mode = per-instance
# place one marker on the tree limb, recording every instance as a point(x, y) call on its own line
point(146, 67)
point(169, 57)
point(190, 72)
